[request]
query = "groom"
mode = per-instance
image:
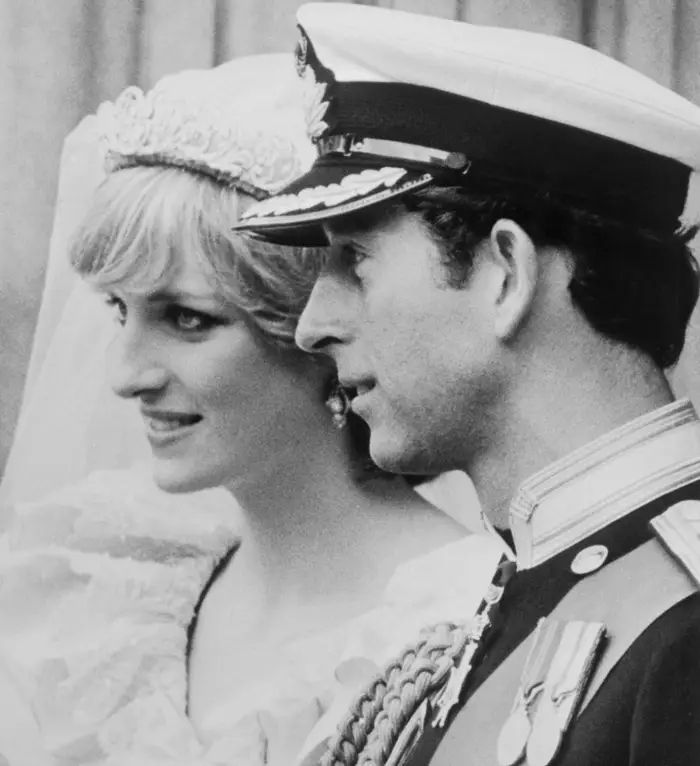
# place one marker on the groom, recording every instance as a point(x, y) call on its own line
point(508, 277)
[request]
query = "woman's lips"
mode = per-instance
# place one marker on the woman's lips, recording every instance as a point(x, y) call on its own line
point(165, 427)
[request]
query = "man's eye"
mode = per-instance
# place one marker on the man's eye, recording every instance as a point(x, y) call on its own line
point(118, 307)
point(351, 257)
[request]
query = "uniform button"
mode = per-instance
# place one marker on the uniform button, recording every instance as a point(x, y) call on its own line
point(589, 559)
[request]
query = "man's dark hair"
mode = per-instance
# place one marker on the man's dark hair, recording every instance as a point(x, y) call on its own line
point(633, 284)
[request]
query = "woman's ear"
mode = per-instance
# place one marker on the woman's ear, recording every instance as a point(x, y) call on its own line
point(515, 257)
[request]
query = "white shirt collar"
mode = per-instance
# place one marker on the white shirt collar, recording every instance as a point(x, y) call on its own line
point(604, 480)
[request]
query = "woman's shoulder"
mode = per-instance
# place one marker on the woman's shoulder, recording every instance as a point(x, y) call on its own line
point(99, 582)
point(442, 586)
point(309, 684)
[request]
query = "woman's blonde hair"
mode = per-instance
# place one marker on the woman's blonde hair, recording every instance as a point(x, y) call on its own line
point(143, 217)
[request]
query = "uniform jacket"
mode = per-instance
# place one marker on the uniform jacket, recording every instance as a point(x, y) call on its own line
point(646, 711)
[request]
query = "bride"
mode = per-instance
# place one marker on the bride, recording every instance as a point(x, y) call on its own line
point(146, 627)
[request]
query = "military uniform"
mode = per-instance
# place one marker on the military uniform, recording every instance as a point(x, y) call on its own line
point(590, 652)
point(646, 709)
point(607, 550)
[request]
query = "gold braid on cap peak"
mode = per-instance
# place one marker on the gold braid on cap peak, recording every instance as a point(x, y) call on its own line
point(230, 144)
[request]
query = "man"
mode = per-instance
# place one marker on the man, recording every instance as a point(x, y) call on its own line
point(508, 278)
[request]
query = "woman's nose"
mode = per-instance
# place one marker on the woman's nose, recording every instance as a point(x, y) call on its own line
point(133, 365)
point(326, 320)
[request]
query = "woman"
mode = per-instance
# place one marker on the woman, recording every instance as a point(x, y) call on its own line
point(190, 636)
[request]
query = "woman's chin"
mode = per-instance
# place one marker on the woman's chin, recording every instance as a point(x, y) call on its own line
point(177, 479)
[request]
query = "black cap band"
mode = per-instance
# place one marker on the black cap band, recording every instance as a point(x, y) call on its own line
point(601, 174)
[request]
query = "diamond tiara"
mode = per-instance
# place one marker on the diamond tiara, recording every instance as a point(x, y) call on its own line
point(201, 121)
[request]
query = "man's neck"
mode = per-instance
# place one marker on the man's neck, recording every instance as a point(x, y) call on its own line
point(549, 421)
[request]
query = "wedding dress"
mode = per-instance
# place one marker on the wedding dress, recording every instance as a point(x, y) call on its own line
point(97, 598)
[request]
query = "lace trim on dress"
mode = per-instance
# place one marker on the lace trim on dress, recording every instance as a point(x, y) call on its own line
point(99, 582)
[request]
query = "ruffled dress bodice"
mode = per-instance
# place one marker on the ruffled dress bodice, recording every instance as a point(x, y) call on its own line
point(98, 585)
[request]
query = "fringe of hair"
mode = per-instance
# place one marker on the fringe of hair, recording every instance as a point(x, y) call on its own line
point(143, 219)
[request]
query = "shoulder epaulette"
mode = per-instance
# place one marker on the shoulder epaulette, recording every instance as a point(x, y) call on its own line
point(678, 529)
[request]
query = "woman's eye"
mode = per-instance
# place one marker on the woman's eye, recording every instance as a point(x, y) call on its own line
point(118, 308)
point(189, 320)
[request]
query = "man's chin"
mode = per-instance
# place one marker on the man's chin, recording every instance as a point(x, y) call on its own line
point(394, 457)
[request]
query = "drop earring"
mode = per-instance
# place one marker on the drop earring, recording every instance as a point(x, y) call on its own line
point(338, 402)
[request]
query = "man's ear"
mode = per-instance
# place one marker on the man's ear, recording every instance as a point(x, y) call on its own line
point(515, 257)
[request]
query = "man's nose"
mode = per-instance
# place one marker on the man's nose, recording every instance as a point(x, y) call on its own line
point(328, 317)
point(133, 364)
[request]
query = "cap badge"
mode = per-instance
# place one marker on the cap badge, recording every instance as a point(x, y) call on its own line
point(313, 91)
point(314, 104)
point(301, 53)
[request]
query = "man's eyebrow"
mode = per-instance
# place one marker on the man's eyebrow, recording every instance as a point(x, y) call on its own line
point(349, 245)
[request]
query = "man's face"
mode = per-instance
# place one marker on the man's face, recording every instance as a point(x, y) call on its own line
point(422, 356)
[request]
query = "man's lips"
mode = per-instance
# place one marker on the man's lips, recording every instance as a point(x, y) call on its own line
point(363, 389)
point(356, 386)
point(357, 390)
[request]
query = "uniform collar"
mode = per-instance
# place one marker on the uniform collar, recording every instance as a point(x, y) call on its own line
point(604, 480)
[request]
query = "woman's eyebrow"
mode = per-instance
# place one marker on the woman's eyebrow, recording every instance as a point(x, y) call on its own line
point(166, 294)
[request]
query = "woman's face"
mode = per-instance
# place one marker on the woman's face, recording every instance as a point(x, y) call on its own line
point(217, 402)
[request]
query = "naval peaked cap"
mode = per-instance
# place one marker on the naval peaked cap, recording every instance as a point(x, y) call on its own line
point(397, 101)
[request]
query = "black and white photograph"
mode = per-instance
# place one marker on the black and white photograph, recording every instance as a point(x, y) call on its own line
point(349, 365)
